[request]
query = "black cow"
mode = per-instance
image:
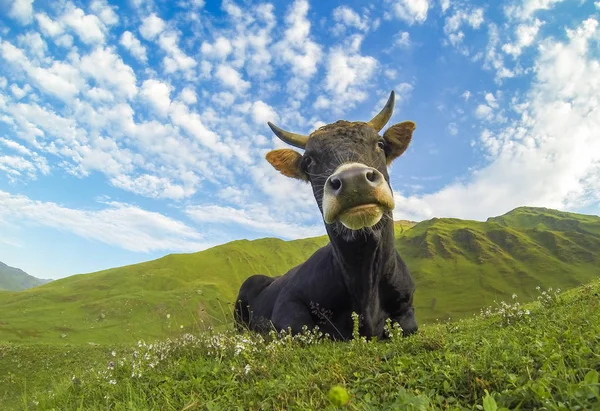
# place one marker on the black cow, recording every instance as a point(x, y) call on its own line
point(359, 270)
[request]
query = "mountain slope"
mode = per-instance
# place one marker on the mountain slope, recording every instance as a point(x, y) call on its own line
point(459, 266)
point(15, 279)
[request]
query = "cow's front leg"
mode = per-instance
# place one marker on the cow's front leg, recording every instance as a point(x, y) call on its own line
point(292, 314)
point(407, 321)
point(398, 302)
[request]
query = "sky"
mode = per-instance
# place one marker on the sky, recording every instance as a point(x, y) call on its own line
point(134, 129)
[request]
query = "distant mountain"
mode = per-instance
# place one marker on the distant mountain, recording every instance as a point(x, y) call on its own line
point(459, 266)
point(15, 279)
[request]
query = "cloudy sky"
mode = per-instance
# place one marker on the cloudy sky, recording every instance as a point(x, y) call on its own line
point(136, 128)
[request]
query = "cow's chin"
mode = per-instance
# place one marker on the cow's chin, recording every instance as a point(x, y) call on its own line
point(361, 216)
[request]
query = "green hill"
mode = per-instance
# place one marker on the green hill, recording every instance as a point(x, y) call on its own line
point(15, 279)
point(459, 266)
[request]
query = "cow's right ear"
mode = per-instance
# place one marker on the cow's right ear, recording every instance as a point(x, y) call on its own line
point(287, 162)
point(397, 139)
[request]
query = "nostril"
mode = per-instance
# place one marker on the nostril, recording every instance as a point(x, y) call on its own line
point(335, 183)
point(372, 176)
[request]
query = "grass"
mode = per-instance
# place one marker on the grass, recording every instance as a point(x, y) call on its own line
point(459, 266)
point(541, 355)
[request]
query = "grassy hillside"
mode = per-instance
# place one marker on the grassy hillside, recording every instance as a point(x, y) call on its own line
point(15, 279)
point(459, 266)
point(539, 356)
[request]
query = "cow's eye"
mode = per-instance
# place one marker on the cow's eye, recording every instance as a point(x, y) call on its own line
point(306, 162)
point(381, 144)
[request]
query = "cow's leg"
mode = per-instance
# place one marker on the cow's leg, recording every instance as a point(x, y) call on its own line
point(248, 293)
point(407, 321)
point(398, 303)
point(292, 314)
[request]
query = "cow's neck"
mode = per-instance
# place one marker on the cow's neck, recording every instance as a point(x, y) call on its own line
point(363, 262)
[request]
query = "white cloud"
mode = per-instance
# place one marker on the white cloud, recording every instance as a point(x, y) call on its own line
point(106, 13)
point(391, 73)
point(234, 195)
point(223, 99)
point(88, 27)
point(403, 94)
point(491, 100)
point(19, 92)
point(60, 79)
point(152, 26)
point(158, 94)
point(49, 27)
point(411, 11)
point(453, 129)
point(188, 96)
point(549, 156)
point(231, 78)
point(452, 26)
point(402, 39)
point(177, 60)
point(22, 11)
point(255, 217)
point(262, 112)
point(494, 60)
point(484, 111)
point(13, 145)
point(135, 47)
point(297, 50)
point(220, 49)
point(527, 8)
point(108, 69)
point(466, 95)
point(34, 43)
point(348, 72)
point(117, 224)
point(153, 186)
point(525, 35)
point(444, 5)
point(346, 18)
point(193, 125)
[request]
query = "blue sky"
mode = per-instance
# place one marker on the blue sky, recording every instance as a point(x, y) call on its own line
point(134, 129)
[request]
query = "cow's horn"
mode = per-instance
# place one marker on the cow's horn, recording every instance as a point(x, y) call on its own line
point(296, 140)
point(384, 115)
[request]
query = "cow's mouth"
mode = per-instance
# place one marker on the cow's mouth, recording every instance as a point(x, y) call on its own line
point(354, 216)
point(360, 216)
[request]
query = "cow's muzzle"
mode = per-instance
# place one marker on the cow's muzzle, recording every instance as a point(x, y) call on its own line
point(357, 195)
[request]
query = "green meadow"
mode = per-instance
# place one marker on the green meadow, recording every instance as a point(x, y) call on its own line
point(537, 356)
point(158, 335)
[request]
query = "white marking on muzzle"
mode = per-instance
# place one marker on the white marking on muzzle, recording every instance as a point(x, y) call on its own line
point(365, 219)
point(345, 166)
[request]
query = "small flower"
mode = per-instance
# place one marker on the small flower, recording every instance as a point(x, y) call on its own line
point(114, 354)
point(247, 369)
point(113, 382)
point(168, 315)
point(514, 296)
point(111, 365)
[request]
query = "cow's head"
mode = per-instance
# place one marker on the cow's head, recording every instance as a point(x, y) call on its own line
point(346, 164)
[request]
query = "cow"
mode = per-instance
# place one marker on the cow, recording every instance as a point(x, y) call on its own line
point(359, 270)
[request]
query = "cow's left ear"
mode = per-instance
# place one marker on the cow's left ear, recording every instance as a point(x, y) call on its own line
point(397, 139)
point(287, 162)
